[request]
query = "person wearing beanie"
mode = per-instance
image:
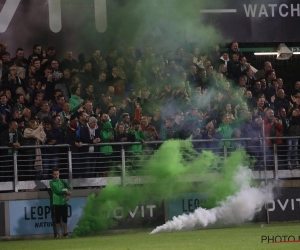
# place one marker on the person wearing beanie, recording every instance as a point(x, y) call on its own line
point(73, 124)
point(125, 119)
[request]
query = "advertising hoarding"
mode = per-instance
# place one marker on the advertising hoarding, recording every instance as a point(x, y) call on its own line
point(34, 216)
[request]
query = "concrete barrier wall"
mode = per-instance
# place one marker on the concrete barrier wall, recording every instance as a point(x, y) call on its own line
point(28, 213)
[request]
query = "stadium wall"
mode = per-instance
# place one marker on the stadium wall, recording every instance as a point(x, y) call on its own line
point(27, 214)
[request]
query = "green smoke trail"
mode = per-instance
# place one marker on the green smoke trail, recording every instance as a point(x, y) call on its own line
point(169, 171)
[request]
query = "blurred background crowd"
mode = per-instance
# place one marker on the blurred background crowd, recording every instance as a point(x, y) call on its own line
point(139, 95)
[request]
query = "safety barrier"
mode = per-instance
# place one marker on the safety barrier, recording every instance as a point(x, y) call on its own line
point(88, 167)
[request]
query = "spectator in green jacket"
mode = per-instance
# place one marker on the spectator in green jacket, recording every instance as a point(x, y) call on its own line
point(225, 129)
point(106, 136)
point(75, 101)
point(140, 136)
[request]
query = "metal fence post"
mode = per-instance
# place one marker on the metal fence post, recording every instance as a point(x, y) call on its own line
point(123, 174)
point(265, 166)
point(70, 164)
point(264, 151)
point(15, 161)
point(225, 152)
point(275, 147)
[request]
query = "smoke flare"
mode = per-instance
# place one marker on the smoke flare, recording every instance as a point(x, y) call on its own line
point(236, 209)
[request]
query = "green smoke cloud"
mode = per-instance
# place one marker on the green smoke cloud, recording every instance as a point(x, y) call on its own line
point(173, 170)
point(165, 25)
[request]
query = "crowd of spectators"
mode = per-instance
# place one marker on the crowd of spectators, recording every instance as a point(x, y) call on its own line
point(138, 95)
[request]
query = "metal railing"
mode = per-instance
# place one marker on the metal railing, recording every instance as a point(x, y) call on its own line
point(90, 167)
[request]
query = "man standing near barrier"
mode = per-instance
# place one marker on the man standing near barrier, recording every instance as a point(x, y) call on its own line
point(12, 139)
point(273, 128)
point(60, 195)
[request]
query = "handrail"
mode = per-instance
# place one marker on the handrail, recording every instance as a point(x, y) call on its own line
point(72, 163)
point(150, 142)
